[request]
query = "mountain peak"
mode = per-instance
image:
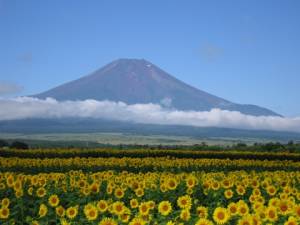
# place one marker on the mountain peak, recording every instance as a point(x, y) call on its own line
point(132, 62)
point(140, 81)
point(128, 60)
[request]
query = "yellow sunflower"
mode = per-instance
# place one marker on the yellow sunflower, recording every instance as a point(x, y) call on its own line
point(108, 221)
point(134, 203)
point(271, 190)
point(102, 206)
point(91, 213)
point(191, 181)
point(291, 221)
point(60, 211)
point(144, 209)
point(243, 208)
point(118, 208)
point(5, 202)
point(204, 221)
point(72, 212)
point(271, 214)
point(185, 214)
point(63, 221)
point(184, 202)
point(202, 212)
point(53, 200)
point(164, 208)
point(35, 222)
point(232, 209)
point(119, 193)
point(245, 220)
point(228, 193)
point(137, 221)
point(41, 192)
point(171, 183)
point(284, 207)
point(4, 213)
point(139, 192)
point(221, 215)
point(43, 210)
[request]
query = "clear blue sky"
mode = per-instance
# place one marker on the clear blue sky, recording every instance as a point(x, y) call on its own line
point(244, 51)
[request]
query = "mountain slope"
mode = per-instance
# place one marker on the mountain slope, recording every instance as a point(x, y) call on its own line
point(139, 81)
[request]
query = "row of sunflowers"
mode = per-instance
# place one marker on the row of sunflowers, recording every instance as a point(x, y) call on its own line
point(109, 197)
point(141, 164)
point(178, 153)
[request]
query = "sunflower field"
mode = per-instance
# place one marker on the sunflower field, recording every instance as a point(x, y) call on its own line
point(144, 187)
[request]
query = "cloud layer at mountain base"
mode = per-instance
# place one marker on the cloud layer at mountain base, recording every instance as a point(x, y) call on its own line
point(26, 107)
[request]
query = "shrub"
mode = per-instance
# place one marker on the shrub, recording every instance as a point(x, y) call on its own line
point(19, 145)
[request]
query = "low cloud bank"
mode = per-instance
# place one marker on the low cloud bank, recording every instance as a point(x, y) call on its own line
point(7, 88)
point(26, 107)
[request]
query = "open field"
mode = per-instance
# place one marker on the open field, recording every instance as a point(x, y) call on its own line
point(109, 138)
point(104, 186)
point(100, 139)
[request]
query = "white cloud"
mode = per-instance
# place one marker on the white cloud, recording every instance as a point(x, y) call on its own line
point(166, 102)
point(26, 107)
point(7, 88)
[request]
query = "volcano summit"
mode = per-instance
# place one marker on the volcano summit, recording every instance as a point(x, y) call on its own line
point(139, 81)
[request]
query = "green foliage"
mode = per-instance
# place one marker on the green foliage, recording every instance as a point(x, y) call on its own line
point(19, 145)
point(3, 143)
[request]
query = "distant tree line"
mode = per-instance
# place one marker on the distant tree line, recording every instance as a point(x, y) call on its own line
point(265, 147)
point(14, 144)
point(269, 146)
